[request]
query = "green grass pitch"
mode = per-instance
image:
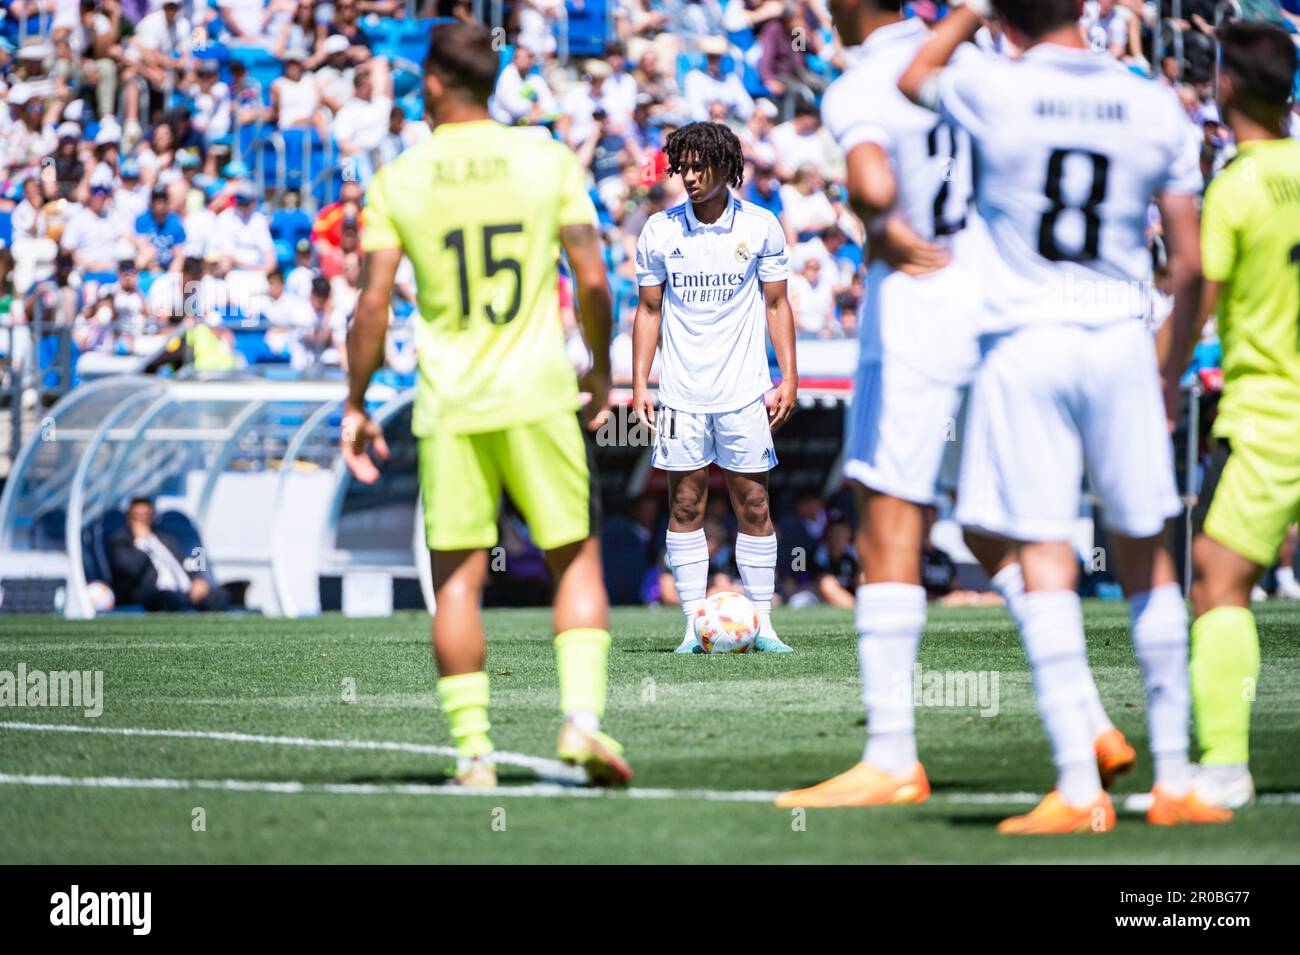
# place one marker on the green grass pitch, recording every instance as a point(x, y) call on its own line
point(748, 723)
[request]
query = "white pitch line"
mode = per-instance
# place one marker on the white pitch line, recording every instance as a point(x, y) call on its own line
point(550, 768)
point(561, 780)
point(535, 791)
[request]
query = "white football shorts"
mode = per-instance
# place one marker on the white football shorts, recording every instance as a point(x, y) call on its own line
point(734, 440)
point(1050, 401)
point(919, 349)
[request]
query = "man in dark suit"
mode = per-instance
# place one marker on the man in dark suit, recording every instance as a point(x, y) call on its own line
point(149, 569)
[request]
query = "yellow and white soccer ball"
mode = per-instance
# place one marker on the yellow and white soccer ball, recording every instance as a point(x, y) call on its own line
point(726, 623)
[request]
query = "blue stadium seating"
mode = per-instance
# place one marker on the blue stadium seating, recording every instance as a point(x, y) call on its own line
point(402, 39)
point(588, 27)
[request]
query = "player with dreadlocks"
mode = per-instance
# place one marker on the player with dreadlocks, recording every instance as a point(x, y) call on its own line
point(712, 273)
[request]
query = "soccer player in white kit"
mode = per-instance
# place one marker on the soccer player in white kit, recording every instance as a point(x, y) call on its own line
point(1071, 150)
point(712, 274)
point(909, 179)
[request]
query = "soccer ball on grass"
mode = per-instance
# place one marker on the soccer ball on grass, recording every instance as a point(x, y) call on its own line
point(726, 623)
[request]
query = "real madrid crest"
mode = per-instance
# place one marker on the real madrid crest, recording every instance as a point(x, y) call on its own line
point(742, 253)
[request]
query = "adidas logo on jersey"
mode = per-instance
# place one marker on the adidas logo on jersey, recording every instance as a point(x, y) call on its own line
point(676, 254)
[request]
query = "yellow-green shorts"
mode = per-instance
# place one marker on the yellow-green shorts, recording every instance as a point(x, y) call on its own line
point(1250, 497)
point(545, 467)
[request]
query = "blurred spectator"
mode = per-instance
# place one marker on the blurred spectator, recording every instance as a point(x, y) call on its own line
point(800, 532)
point(522, 94)
point(801, 142)
point(295, 97)
point(362, 122)
point(805, 209)
point(243, 238)
point(712, 84)
point(1111, 28)
point(836, 566)
point(812, 298)
point(150, 568)
point(159, 48)
point(159, 232)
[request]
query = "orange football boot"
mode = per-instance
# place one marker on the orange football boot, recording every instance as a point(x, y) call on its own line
point(863, 785)
point(1115, 756)
point(1055, 816)
point(1187, 809)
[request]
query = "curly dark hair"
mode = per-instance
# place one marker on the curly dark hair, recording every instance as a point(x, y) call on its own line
point(714, 144)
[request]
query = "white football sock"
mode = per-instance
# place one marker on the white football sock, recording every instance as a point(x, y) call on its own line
point(1159, 620)
point(1009, 582)
point(688, 556)
point(756, 558)
point(1053, 636)
point(890, 618)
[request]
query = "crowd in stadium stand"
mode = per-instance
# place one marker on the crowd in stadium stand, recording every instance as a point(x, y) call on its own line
point(127, 208)
point(140, 222)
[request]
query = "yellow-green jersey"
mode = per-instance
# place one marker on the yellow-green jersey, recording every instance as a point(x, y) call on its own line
point(477, 208)
point(1251, 244)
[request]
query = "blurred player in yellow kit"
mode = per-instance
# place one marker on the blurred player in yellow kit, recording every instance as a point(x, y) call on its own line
point(482, 211)
point(1251, 253)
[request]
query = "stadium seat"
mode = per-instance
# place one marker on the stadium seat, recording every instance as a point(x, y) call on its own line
point(588, 28)
point(50, 530)
point(261, 65)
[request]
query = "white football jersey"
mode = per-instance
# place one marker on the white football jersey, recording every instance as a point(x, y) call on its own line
point(931, 158)
point(713, 339)
point(1070, 150)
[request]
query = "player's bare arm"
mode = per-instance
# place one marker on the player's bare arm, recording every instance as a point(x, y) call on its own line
point(645, 339)
point(365, 354)
point(780, 327)
point(918, 82)
point(873, 193)
point(582, 246)
point(1182, 236)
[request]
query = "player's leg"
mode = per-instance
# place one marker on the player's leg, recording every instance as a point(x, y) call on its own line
point(1131, 466)
point(743, 448)
point(1158, 624)
point(756, 552)
point(1251, 496)
point(582, 658)
point(1020, 479)
point(1001, 561)
point(548, 471)
point(458, 652)
point(684, 448)
point(896, 440)
point(461, 492)
point(1224, 669)
point(687, 547)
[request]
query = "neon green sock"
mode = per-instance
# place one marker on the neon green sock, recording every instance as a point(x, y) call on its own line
point(465, 701)
point(1224, 670)
point(582, 658)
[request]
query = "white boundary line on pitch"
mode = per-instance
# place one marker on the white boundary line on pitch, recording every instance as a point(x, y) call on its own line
point(551, 768)
point(536, 791)
point(562, 785)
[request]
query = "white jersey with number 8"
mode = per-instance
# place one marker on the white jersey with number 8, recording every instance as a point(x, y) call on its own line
point(1070, 149)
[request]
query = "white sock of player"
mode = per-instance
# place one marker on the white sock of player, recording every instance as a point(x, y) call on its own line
point(1052, 631)
point(756, 558)
point(1159, 619)
point(1009, 582)
point(890, 619)
point(688, 556)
